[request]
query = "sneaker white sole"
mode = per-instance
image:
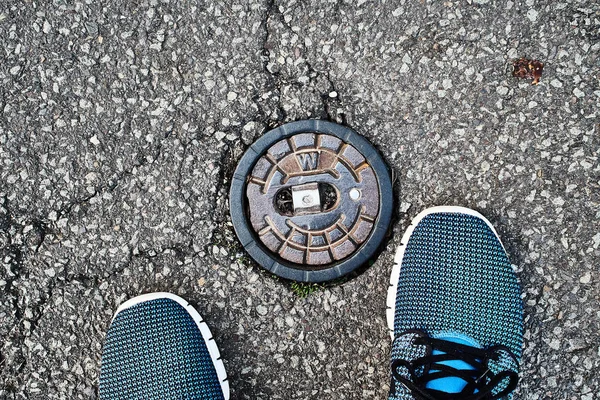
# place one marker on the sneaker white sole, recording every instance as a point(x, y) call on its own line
point(213, 350)
point(393, 288)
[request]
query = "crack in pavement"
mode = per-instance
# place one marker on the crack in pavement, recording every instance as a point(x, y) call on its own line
point(276, 80)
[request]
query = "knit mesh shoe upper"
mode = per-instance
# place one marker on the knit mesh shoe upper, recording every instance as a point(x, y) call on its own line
point(457, 289)
point(154, 350)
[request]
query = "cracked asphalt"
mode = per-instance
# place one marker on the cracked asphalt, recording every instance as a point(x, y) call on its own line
point(121, 124)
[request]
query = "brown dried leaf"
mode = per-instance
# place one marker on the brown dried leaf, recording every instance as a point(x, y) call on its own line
point(526, 68)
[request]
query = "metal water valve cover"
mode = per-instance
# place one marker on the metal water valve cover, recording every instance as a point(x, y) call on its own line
point(311, 200)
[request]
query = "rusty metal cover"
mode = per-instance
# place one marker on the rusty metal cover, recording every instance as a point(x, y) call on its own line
point(306, 200)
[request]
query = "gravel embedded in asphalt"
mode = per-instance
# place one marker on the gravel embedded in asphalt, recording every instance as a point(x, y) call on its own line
point(121, 124)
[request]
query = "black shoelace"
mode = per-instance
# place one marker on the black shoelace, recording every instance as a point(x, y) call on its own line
point(480, 381)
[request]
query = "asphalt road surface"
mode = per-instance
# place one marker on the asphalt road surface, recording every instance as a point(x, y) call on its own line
point(121, 123)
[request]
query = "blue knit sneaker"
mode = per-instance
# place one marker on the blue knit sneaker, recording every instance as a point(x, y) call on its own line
point(454, 310)
point(159, 348)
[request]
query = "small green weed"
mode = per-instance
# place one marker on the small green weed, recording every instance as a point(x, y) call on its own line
point(303, 290)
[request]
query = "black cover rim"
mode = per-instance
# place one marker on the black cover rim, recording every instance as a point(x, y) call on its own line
point(262, 255)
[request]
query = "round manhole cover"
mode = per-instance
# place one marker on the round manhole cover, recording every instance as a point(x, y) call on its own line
point(311, 200)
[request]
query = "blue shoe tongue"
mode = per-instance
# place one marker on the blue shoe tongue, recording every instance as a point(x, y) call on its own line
point(452, 384)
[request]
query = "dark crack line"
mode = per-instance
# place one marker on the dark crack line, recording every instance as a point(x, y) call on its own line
point(276, 81)
point(15, 256)
point(227, 168)
point(326, 99)
point(18, 255)
point(273, 79)
point(180, 252)
point(111, 186)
